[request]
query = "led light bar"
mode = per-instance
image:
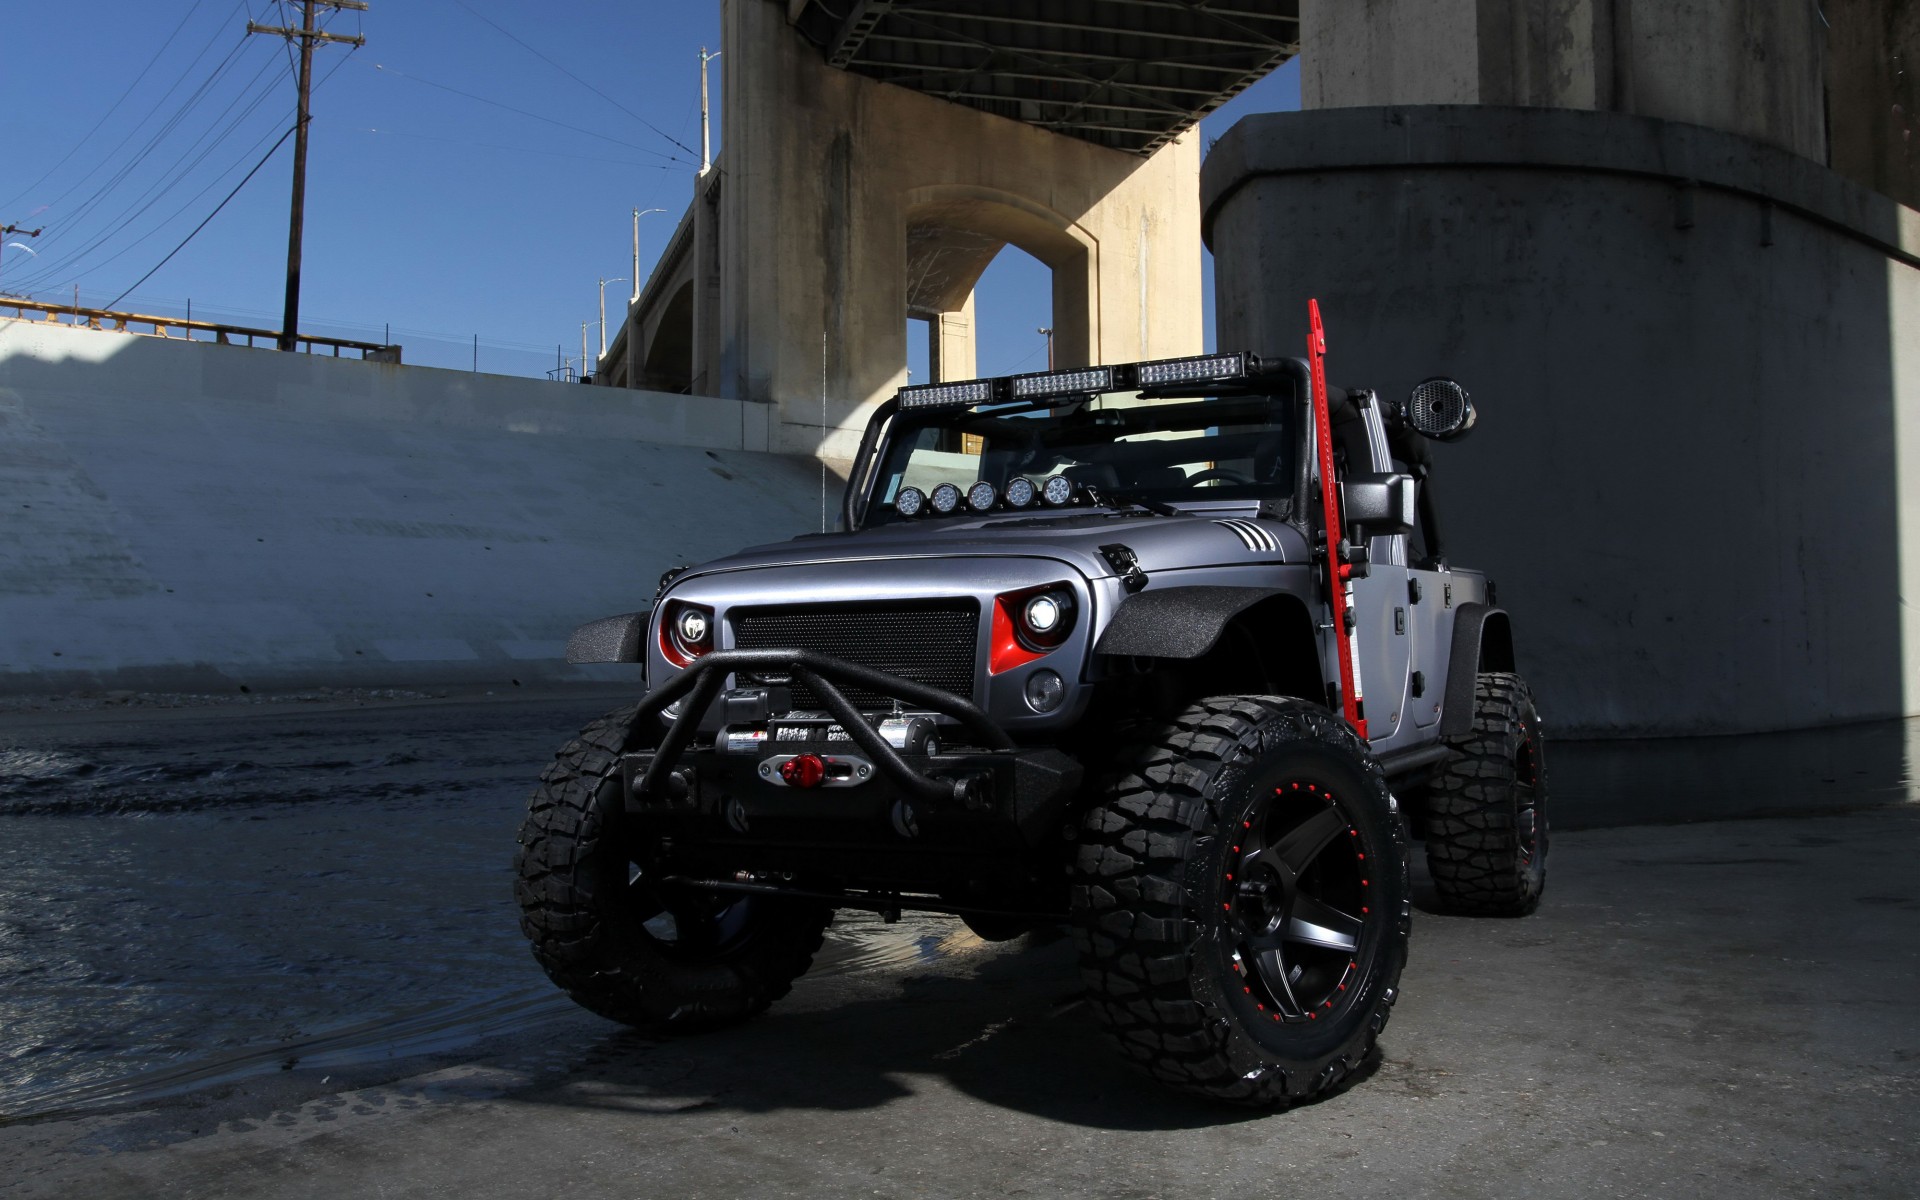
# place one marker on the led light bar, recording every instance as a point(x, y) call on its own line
point(946, 395)
point(1060, 383)
point(1190, 370)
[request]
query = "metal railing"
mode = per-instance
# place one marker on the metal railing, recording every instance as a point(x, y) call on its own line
point(169, 327)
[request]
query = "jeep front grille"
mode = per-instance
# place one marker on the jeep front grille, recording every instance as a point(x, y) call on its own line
point(928, 641)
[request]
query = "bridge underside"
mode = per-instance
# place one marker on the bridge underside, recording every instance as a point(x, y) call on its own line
point(1127, 74)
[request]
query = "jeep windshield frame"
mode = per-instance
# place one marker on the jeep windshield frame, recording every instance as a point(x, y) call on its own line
point(1222, 442)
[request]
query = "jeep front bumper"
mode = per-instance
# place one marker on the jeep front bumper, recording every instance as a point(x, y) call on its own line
point(896, 802)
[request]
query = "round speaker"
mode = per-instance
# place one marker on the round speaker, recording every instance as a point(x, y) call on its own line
point(1440, 409)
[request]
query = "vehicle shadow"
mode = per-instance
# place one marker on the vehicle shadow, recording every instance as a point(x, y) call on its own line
point(1008, 1027)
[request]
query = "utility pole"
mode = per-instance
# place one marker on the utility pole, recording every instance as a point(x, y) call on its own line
point(10, 229)
point(706, 144)
point(1047, 332)
point(308, 35)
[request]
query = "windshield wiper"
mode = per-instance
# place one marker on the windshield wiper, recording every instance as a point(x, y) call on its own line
point(1116, 498)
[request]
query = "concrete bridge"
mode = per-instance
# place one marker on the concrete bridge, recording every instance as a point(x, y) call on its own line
point(877, 156)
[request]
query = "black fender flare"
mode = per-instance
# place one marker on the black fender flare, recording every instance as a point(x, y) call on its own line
point(1176, 622)
point(608, 640)
point(1482, 641)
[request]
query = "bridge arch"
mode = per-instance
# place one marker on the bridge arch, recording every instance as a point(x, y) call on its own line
point(953, 231)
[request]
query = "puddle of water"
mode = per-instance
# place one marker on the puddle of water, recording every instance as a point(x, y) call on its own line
point(185, 906)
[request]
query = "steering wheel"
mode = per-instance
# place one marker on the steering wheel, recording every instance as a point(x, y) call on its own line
point(1221, 473)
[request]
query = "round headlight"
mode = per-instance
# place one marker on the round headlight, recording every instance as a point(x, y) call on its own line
point(693, 626)
point(980, 496)
point(1045, 690)
point(1019, 491)
point(909, 501)
point(945, 499)
point(1043, 614)
point(1056, 490)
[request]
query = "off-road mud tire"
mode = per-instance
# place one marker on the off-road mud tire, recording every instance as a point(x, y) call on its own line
point(577, 908)
point(1487, 807)
point(1158, 917)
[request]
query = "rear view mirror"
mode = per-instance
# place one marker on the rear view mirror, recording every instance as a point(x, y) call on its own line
point(1440, 409)
point(1381, 503)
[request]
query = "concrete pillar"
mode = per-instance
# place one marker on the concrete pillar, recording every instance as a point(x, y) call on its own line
point(1873, 94)
point(706, 283)
point(1753, 67)
point(1696, 475)
point(827, 176)
point(951, 355)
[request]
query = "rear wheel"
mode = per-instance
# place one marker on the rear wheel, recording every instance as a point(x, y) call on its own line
point(1241, 902)
point(621, 942)
point(1487, 807)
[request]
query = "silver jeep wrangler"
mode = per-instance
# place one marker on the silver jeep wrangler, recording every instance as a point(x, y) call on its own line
point(1167, 651)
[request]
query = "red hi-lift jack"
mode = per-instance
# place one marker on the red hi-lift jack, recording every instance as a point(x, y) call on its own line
point(1338, 560)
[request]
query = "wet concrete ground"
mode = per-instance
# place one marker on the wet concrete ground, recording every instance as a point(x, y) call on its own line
point(272, 952)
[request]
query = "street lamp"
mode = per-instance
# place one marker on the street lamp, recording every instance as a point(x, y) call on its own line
point(637, 214)
point(603, 313)
point(1046, 331)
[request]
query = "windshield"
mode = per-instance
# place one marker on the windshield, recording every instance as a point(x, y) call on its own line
point(1116, 446)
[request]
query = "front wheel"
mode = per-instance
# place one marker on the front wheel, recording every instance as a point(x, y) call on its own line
point(621, 942)
point(1240, 901)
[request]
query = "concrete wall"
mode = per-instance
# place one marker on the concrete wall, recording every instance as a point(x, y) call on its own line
point(187, 516)
point(1752, 67)
point(825, 173)
point(1873, 94)
point(1696, 476)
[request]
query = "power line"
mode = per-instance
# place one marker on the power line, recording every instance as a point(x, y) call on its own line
point(171, 217)
point(166, 129)
point(160, 187)
point(672, 158)
point(210, 216)
point(40, 279)
point(112, 108)
point(570, 75)
point(141, 124)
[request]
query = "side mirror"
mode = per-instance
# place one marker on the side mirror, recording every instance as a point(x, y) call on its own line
point(1440, 409)
point(1383, 504)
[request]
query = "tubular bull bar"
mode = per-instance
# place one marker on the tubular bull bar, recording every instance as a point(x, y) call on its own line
point(699, 685)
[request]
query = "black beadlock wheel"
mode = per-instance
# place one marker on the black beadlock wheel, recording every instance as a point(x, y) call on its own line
point(1240, 901)
point(659, 957)
point(1487, 807)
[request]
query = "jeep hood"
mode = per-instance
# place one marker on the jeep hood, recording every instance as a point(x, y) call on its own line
point(1160, 543)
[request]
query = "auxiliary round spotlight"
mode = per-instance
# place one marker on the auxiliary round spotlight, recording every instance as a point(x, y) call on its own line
point(908, 501)
point(1019, 491)
point(944, 499)
point(1057, 490)
point(1045, 691)
point(980, 496)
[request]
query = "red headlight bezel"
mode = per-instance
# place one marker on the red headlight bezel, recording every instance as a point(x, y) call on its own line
point(1015, 643)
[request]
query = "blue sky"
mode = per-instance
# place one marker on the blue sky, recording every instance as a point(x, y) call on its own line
point(472, 170)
